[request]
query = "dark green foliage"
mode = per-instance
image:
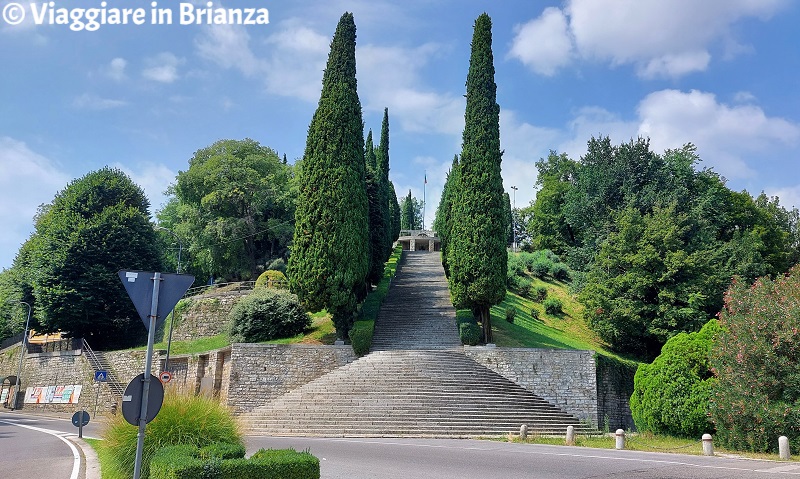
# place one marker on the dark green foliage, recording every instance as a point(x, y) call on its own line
point(233, 209)
point(329, 262)
point(222, 450)
point(756, 397)
point(538, 293)
point(376, 199)
point(361, 336)
point(477, 248)
point(559, 271)
point(187, 421)
point(469, 333)
point(277, 265)
point(552, 305)
point(541, 268)
point(443, 223)
point(271, 279)
point(187, 462)
point(509, 219)
point(671, 395)
point(386, 196)
point(548, 227)
point(511, 314)
point(534, 313)
point(519, 284)
point(410, 213)
point(267, 314)
point(96, 226)
point(394, 213)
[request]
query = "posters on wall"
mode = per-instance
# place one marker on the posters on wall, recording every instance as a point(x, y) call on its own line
point(68, 394)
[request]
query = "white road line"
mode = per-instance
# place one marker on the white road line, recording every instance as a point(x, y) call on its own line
point(76, 457)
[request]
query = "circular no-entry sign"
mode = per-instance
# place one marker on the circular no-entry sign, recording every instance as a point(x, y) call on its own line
point(165, 377)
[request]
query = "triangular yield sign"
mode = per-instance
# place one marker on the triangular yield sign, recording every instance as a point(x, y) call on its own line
point(139, 285)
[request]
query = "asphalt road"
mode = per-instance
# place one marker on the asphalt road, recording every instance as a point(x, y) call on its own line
point(33, 446)
point(467, 459)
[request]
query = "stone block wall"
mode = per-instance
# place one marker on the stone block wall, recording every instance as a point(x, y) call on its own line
point(566, 378)
point(205, 316)
point(614, 390)
point(261, 372)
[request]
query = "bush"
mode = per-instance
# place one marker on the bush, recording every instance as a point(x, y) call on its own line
point(470, 333)
point(361, 336)
point(186, 462)
point(559, 271)
point(534, 313)
point(552, 305)
point(519, 284)
point(541, 267)
point(671, 395)
point(277, 265)
point(222, 450)
point(267, 314)
point(184, 420)
point(538, 293)
point(516, 265)
point(511, 313)
point(272, 279)
point(755, 398)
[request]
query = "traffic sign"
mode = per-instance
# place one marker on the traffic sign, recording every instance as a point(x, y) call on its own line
point(101, 375)
point(139, 285)
point(165, 377)
point(132, 399)
point(80, 416)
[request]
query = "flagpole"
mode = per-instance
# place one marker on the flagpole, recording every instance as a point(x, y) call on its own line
point(424, 185)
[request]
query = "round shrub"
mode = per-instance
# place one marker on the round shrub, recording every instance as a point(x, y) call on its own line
point(559, 271)
point(267, 314)
point(534, 313)
point(277, 265)
point(541, 267)
point(271, 279)
point(519, 284)
point(552, 305)
point(511, 313)
point(538, 293)
point(671, 395)
point(184, 419)
point(470, 333)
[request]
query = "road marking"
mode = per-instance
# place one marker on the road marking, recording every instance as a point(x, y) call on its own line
point(784, 470)
point(76, 456)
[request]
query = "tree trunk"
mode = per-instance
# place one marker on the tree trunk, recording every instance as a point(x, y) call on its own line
point(486, 324)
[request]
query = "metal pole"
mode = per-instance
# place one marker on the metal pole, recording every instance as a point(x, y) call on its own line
point(21, 355)
point(513, 223)
point(178, 271)
point(147, 368)
point(424, 185)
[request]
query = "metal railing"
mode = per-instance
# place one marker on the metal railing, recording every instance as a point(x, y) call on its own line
point(233, 287)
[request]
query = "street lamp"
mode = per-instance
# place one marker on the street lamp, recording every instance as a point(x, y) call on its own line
point(178, 271)
point(513, 223)
point(21, 354)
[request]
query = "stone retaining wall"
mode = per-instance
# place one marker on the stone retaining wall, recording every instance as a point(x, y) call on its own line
point(566, 378)
point(261, 372)
point(205, 316)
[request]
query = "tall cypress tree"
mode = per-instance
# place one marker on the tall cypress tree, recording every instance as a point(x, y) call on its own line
point(394, 213)
point(377, 233)
point(384, 193)
point(477, 253)
point(443, 224)
point(328, 264)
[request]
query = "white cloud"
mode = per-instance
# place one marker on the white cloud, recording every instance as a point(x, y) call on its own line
point(162, 68)
point(544, 44)
point(154, 178)
point(229, 47)
point(726, 136)
point(789, 195)
point(297, 56)
point(89, 101)
point(116, 69)
point(660, 39)
point(27, 180)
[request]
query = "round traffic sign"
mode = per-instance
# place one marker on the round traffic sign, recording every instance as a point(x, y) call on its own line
point(165, 377)
point(132, 399)
point(80, 417)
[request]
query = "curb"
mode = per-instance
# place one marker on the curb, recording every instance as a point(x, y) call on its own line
point(91, 469)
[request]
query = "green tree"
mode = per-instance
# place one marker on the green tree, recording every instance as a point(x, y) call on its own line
point(328, 265)
point(756, 397)
point(377, 204)
point(98, 225)
point(410, 213)
point(548, 227)
point(443, 224)
point(671, 395)
point(234, 208)
point(477, 253)
point(385, 192)
point(394, 213)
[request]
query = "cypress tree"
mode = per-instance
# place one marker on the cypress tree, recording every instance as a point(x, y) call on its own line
point(477, 253)
point(329, 263)
point(377, 233)
point(394, 213)
point(384, 193)
point(443, 223)
point(407, 216)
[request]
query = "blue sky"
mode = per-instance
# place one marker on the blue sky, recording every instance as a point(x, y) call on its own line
point(722, 74)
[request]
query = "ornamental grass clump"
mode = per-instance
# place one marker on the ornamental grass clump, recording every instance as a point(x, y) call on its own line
point(184, 419)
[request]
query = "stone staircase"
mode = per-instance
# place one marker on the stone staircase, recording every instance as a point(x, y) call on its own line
point(416, 381)
point(417, 313)
point(99, 362)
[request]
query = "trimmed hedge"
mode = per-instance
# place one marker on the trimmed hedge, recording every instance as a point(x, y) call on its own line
point(272, 279)
point(361, 336)
point(187, 462)
point(470, 333)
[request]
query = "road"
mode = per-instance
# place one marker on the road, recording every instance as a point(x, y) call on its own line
point(466, 459)
point(35, 446)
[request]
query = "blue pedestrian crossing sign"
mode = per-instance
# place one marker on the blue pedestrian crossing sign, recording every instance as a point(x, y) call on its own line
point(101, 375)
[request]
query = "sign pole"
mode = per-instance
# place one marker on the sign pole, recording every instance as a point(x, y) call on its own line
point(147, 369)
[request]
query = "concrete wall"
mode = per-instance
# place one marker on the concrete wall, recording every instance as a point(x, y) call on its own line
point(563, 377)
point(261, 372)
